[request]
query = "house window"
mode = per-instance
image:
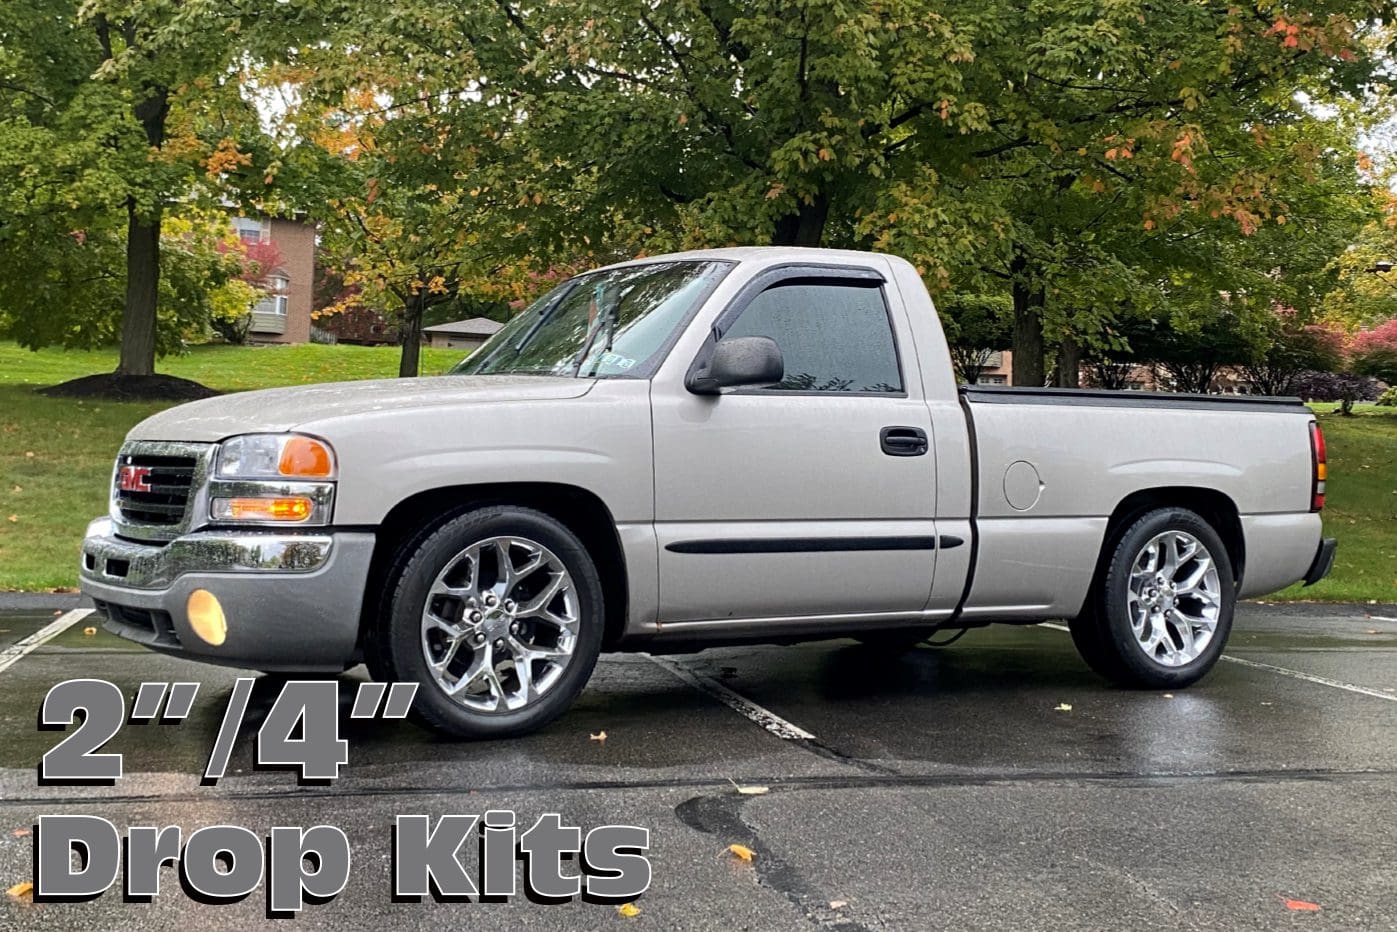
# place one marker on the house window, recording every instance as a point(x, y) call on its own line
point(253, 230)
point(992, 380)
point(274, 302)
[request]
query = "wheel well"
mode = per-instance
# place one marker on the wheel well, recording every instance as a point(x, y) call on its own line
point(578, 509)
point(1213, 506)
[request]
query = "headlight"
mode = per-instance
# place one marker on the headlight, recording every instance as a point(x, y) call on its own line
point(275, 456)
point(273, 479)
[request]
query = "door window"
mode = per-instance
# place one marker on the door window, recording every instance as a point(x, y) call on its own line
point(834, 336)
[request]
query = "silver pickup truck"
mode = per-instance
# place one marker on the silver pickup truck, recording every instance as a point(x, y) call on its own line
point(709, 447)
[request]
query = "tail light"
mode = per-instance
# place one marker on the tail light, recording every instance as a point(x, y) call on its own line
point(1321, 467)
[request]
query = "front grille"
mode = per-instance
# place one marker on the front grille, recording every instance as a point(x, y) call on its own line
point(166, 484)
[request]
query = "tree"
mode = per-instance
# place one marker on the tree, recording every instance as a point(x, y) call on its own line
point(1074, 158)
point(1374, 352)
point(1293, 348)
point(977, 327)
point(114, 110)
point(1342, 387)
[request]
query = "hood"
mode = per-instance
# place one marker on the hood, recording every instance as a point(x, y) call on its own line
point(281, 409)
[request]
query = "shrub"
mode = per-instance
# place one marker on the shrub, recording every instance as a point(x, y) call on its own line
point(1343, 387)
point(1389, 398)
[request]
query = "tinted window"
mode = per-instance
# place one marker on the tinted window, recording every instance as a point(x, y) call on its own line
point(833, 337)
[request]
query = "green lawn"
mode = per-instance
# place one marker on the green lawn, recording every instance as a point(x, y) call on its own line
point(56, 457)
point(1360, 508)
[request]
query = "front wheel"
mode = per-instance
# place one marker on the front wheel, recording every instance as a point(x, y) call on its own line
point(1163, 611)
point(497, 615)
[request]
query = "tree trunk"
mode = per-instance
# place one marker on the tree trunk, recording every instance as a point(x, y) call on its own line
point(1028, 327)
point(1069, 364)
point(142, 249)
point(805, 227)
point(410, 335)
point(142, 293)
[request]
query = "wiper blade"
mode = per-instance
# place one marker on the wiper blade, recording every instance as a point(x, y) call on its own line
point(543, 316)
point(606, 320)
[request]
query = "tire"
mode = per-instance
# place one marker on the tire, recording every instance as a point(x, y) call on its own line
point(484, 620)
point(895, 640)
point(1162, 611)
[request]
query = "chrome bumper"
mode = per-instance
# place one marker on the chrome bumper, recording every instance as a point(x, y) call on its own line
point(109, 559)
point(292, 601)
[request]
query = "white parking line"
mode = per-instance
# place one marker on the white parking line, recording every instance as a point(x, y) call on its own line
point(743, 706)
point(48, 632)
point(1283, 671)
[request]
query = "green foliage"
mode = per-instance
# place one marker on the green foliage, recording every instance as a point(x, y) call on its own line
point(67, 288)
point(111, 112)
point(1086, 162)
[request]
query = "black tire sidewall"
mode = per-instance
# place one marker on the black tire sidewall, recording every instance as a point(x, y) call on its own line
point(410, 581)
point(1133, 668)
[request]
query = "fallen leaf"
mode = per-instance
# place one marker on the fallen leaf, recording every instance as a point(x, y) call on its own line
point(89, 632)
point(29, 454)
point(599, 736)
point(1063, 707)
point(629, 910)
point(14, 519)
point(749, 790)
point(741, 851)
point(17, 489)
point(1303, 906)
point(1372, 630)
point(838, 904)
point(22, 891)
point(20, 833)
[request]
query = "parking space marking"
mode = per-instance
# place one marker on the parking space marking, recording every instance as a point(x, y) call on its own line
point(1283, 671)
point(740, 704)
point(10, 655)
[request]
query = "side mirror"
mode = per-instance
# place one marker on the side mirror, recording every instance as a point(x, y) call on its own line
point(750, 361)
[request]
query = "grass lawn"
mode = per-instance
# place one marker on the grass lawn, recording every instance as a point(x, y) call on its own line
point(1360, 508)
point(56, 457)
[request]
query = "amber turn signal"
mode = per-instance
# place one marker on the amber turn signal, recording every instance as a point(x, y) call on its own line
point(298, 508)
point(306, 457)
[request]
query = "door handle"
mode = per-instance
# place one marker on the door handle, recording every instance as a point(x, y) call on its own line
point(903, 441)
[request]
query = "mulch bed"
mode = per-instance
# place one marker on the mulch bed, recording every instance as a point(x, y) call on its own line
point(113, 387)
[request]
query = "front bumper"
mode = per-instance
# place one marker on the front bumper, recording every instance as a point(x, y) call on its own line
point(292, 601)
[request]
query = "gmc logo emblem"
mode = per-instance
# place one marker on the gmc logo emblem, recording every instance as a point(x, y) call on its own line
point(134, 479)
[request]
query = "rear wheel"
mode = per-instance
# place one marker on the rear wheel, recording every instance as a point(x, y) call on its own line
point(497, 616)
point(1163, 611)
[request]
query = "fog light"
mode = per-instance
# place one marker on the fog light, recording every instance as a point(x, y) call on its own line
point(206, 617)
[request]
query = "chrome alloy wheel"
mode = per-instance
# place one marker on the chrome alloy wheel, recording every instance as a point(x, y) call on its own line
point(1174, 598)
point(500, 624)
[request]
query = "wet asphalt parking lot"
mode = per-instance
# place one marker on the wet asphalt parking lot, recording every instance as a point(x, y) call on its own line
point(944, 788)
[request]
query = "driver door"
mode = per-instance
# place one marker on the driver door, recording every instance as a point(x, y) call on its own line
point(810, 499)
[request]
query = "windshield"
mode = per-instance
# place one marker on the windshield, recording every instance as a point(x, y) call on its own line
point(607, 323)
